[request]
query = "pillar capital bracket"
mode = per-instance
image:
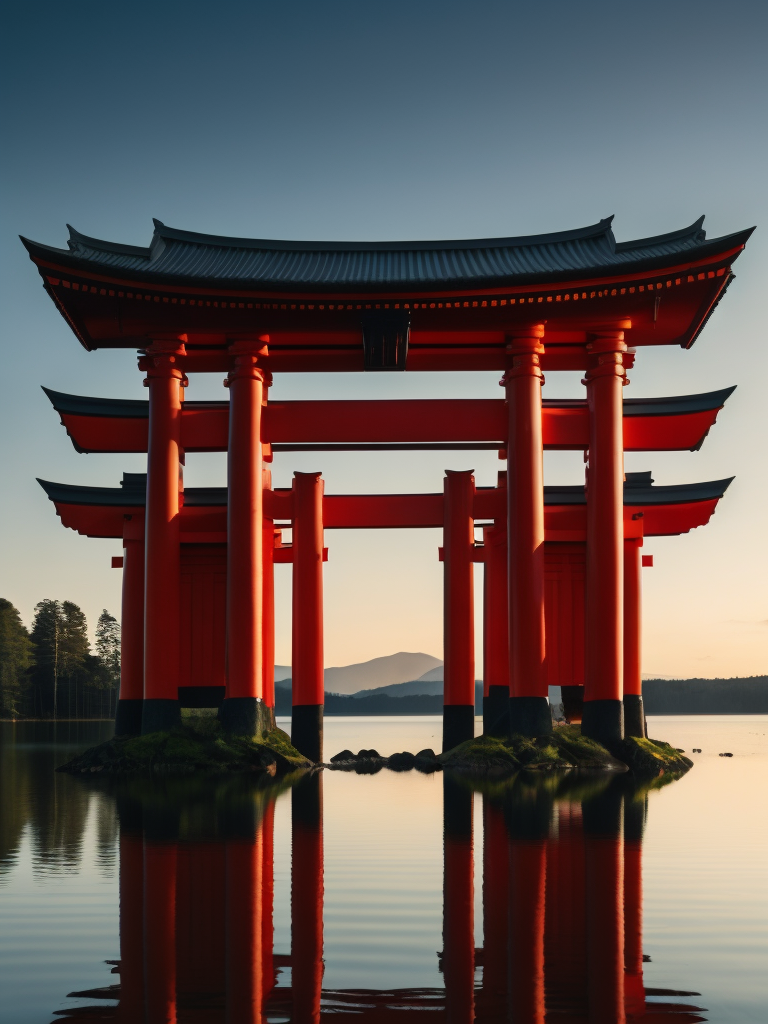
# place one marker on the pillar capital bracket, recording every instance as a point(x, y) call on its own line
point(523, 349)
point(525, 339)
point(161, 359)
point(606, 351)
point(606, 341)
point(247, 356)
point(254, 347)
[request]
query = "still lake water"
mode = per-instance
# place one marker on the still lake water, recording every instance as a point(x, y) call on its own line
point(562, 900)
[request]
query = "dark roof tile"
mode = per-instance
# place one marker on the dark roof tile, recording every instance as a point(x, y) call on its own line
point(176, 255)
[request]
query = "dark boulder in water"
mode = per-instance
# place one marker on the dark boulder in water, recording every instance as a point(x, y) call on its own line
point(402, 762)
point(344, 755)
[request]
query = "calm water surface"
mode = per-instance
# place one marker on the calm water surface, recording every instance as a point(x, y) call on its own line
point(383, 897)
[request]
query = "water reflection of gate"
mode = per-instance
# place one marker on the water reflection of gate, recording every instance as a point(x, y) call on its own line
point(562, 914)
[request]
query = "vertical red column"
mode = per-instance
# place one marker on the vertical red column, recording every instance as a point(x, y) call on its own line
point(268, 615)
point(160, 932)
point(529, 703)
point(604, 876)
point(243, 710)
point(458, 904)
point(307, 899)
point(634, 823)
point(495, 997)
point(307, 633)
point(458, 609)
point(131, 927)
point(162, 568)
point(604, 658)
point(634, 712)
point(245, 983)
point(129, 706)
point(495, 632)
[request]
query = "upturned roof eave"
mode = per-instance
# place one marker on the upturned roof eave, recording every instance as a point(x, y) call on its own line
point(137, 408)
point(215, 497)
point(65, 259)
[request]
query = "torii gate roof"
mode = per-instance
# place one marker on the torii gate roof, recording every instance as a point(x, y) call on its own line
point(649, 510)
point(650, 424)
point(186, 256)
point(460, 297)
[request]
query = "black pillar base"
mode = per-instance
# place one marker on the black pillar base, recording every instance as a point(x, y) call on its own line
point(603, 721)
point(246, 716)
point(160, 715)
point(634, 715)
point(128, 717)
point(530, 716)
point(458, 724)
point(573, 703)
point(307, 730)
point(496, 712)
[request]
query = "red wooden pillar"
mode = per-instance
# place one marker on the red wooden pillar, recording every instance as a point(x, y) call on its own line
point(604, 659)
point(268, 615)
point(165, 380)
point(129, 706)
point(245, 983)
point(495, 997)
point(458, 904)
point(634, 822)
point(131, 1007)
point(529, 703)
point(307, 899)
point(604, 871)
point(495, 632)
point(243, 710)
point(634, 712)
point(160, 932)
point(307, 634)
point(458, 609)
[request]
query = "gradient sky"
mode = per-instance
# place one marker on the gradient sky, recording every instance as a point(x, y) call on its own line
point(418, 120)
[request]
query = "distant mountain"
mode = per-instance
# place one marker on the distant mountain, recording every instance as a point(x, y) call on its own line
point(282, 672)
point(395, 668)
point(434, 675)
point(423, 686)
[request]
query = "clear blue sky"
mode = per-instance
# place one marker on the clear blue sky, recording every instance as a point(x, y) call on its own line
point(357, 120)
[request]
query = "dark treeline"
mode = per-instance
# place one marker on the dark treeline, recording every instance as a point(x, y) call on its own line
point(375, 704)
point(738, 696)
point(745, 696)
point(51, 672)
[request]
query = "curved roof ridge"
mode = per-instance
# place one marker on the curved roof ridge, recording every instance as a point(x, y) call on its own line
point(603, 227)
point(694, 231)
point(77, 238)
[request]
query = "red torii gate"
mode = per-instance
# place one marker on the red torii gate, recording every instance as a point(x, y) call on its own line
point(200, 303)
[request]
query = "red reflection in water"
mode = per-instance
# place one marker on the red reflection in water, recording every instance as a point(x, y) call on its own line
point(562, 916)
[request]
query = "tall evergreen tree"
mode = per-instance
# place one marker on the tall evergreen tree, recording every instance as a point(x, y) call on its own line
point(75, 651)
point(60, 636)
point(108, 653)
point(15, 658)
point(47, 629)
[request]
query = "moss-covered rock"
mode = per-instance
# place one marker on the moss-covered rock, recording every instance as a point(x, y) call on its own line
point(564, 748)
point(199, 745)
point(649, 758)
